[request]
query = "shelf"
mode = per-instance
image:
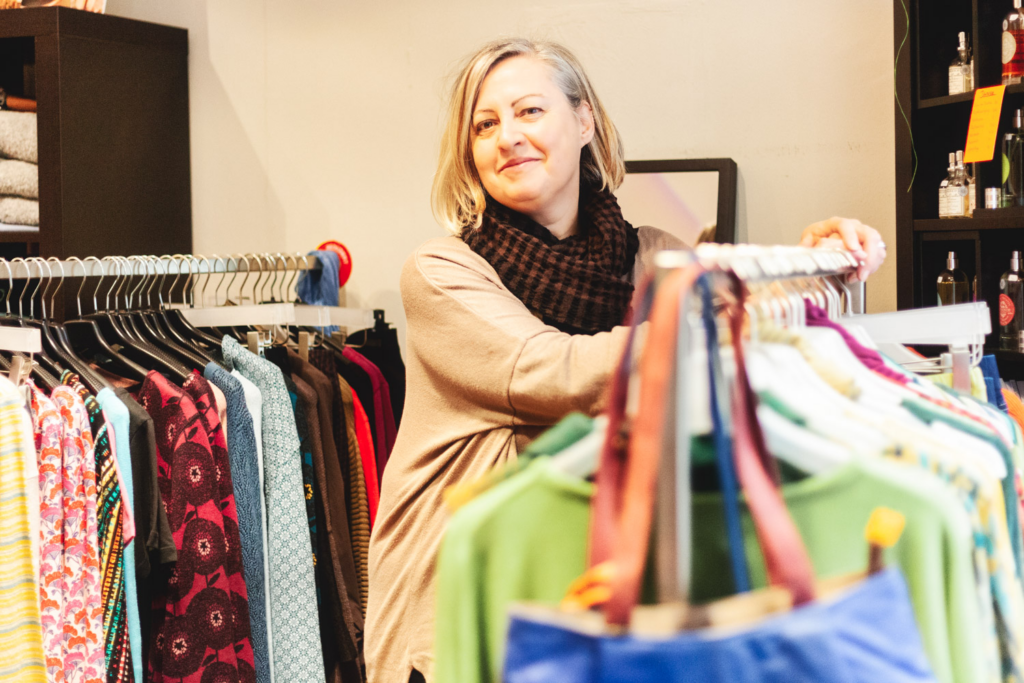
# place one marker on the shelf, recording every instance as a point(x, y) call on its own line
point(1000, 219)
point(930, 102)
point(7, 237)
point(947, 99)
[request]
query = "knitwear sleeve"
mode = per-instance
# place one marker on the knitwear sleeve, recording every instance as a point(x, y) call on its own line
point(482, 347)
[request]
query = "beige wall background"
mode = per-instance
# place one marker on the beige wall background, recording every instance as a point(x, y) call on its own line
point(319, 119)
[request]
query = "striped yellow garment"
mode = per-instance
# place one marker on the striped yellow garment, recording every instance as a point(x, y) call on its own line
point(21, 638)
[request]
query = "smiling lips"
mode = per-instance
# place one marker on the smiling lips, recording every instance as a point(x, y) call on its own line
point(511, 163)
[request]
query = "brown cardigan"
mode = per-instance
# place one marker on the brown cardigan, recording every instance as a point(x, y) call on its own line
point(484, 377)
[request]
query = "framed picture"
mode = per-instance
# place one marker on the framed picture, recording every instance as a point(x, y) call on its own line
point(693, 199)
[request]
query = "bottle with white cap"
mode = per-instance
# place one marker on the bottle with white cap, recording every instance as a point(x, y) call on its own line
point(961, 71)
point(944, 187)
point(952, 283)
point(1011, 307)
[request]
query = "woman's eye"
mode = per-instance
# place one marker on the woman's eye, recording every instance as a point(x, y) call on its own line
point(532, 110)
point(484, 125)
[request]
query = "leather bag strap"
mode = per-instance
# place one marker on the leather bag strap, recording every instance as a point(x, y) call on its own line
point(629, 485)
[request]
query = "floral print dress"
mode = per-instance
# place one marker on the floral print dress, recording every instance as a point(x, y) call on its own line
point(84, 653)
point(200, 622)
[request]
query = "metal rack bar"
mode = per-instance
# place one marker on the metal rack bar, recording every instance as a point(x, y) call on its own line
point(755, 263)
point(34, 267)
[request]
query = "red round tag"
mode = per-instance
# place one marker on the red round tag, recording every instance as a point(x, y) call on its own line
point(1006, 309)
point(345, 271)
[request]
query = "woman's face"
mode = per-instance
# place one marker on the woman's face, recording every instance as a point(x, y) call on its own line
point(527, 139)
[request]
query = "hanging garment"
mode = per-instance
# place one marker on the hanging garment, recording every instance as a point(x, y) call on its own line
point(48, 430)
point(865, 632)
point(380, 347)
point(363, 488)
point(210, 403)
point(198, 614)
point(361, 384)
point(254, 403)
point(331, 481)
point(154, 549)
point(361, 508)
point(21, 639)
point(245, 478)
point(367, 450)
point(110, 520)
point(383, 427)
point(526, 539)
point(341, 621)
point(306, 463)
point(295, 628)
point(84, 652)
point(386, 419)
point(320, 286)
point(115, 412)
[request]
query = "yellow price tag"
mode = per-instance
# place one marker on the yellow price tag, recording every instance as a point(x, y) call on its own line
point(984, 126)
point(885, 527)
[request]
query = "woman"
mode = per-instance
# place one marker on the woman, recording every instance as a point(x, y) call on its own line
point(512, 320)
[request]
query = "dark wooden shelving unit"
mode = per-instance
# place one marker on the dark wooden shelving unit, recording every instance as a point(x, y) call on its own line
point(113, 132)
point(937, 126)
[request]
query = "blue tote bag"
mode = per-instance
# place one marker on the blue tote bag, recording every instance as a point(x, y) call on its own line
point(857, 629)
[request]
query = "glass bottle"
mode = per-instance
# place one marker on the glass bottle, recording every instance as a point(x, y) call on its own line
point(956, 191)
point(1011, 307)
point(1006, 196)
point(1013, 45)
point(944, 187)
point(1016, 161)
point(961, 78)
point(972, 195)
point(952, 283)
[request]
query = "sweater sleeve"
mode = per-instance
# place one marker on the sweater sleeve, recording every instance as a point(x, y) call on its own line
point(483, 347)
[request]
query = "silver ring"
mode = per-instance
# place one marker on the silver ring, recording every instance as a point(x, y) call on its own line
point(882, 245)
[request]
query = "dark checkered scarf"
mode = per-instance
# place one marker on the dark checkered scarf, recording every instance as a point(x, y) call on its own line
point(581, 284)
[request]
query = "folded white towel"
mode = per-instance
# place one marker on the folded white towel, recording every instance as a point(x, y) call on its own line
point(18, 136)
point(5, 227)
point(19, 210)
point(19, 178)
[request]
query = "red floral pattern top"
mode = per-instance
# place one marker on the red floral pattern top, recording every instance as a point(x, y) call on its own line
point(201, 620)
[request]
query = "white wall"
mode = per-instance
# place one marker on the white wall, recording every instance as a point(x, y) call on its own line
point(318, 119)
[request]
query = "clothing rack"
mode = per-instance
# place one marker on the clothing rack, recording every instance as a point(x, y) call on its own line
point(177, 264)
point(192, 266)
point(752, 264)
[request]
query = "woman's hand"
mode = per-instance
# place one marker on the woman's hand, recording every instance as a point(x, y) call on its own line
point(847, 233)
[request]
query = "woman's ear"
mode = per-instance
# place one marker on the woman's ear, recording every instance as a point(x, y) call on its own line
point(586, 117)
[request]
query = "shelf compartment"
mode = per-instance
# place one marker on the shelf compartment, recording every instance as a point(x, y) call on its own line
point(994, 219)
point(946, 99)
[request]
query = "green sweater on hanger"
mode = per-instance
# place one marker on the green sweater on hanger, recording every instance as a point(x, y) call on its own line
point(525, 540)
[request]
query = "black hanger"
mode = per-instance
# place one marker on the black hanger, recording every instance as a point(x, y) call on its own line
point(110, 328)
point(49, 337)
point(145, 328)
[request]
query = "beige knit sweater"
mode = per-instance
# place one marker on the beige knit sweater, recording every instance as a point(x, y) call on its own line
point(484, 377)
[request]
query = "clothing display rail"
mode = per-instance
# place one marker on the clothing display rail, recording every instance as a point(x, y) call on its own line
point(178, 453)
point(135, 276)
point(176, 264)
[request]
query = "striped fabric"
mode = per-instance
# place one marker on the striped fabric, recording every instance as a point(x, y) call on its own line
point(360, 515)
point(21, 640)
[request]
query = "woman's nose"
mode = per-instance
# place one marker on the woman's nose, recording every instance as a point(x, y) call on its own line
point(510, 135)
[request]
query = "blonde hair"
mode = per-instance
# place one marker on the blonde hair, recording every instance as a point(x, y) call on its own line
point(457, 197)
